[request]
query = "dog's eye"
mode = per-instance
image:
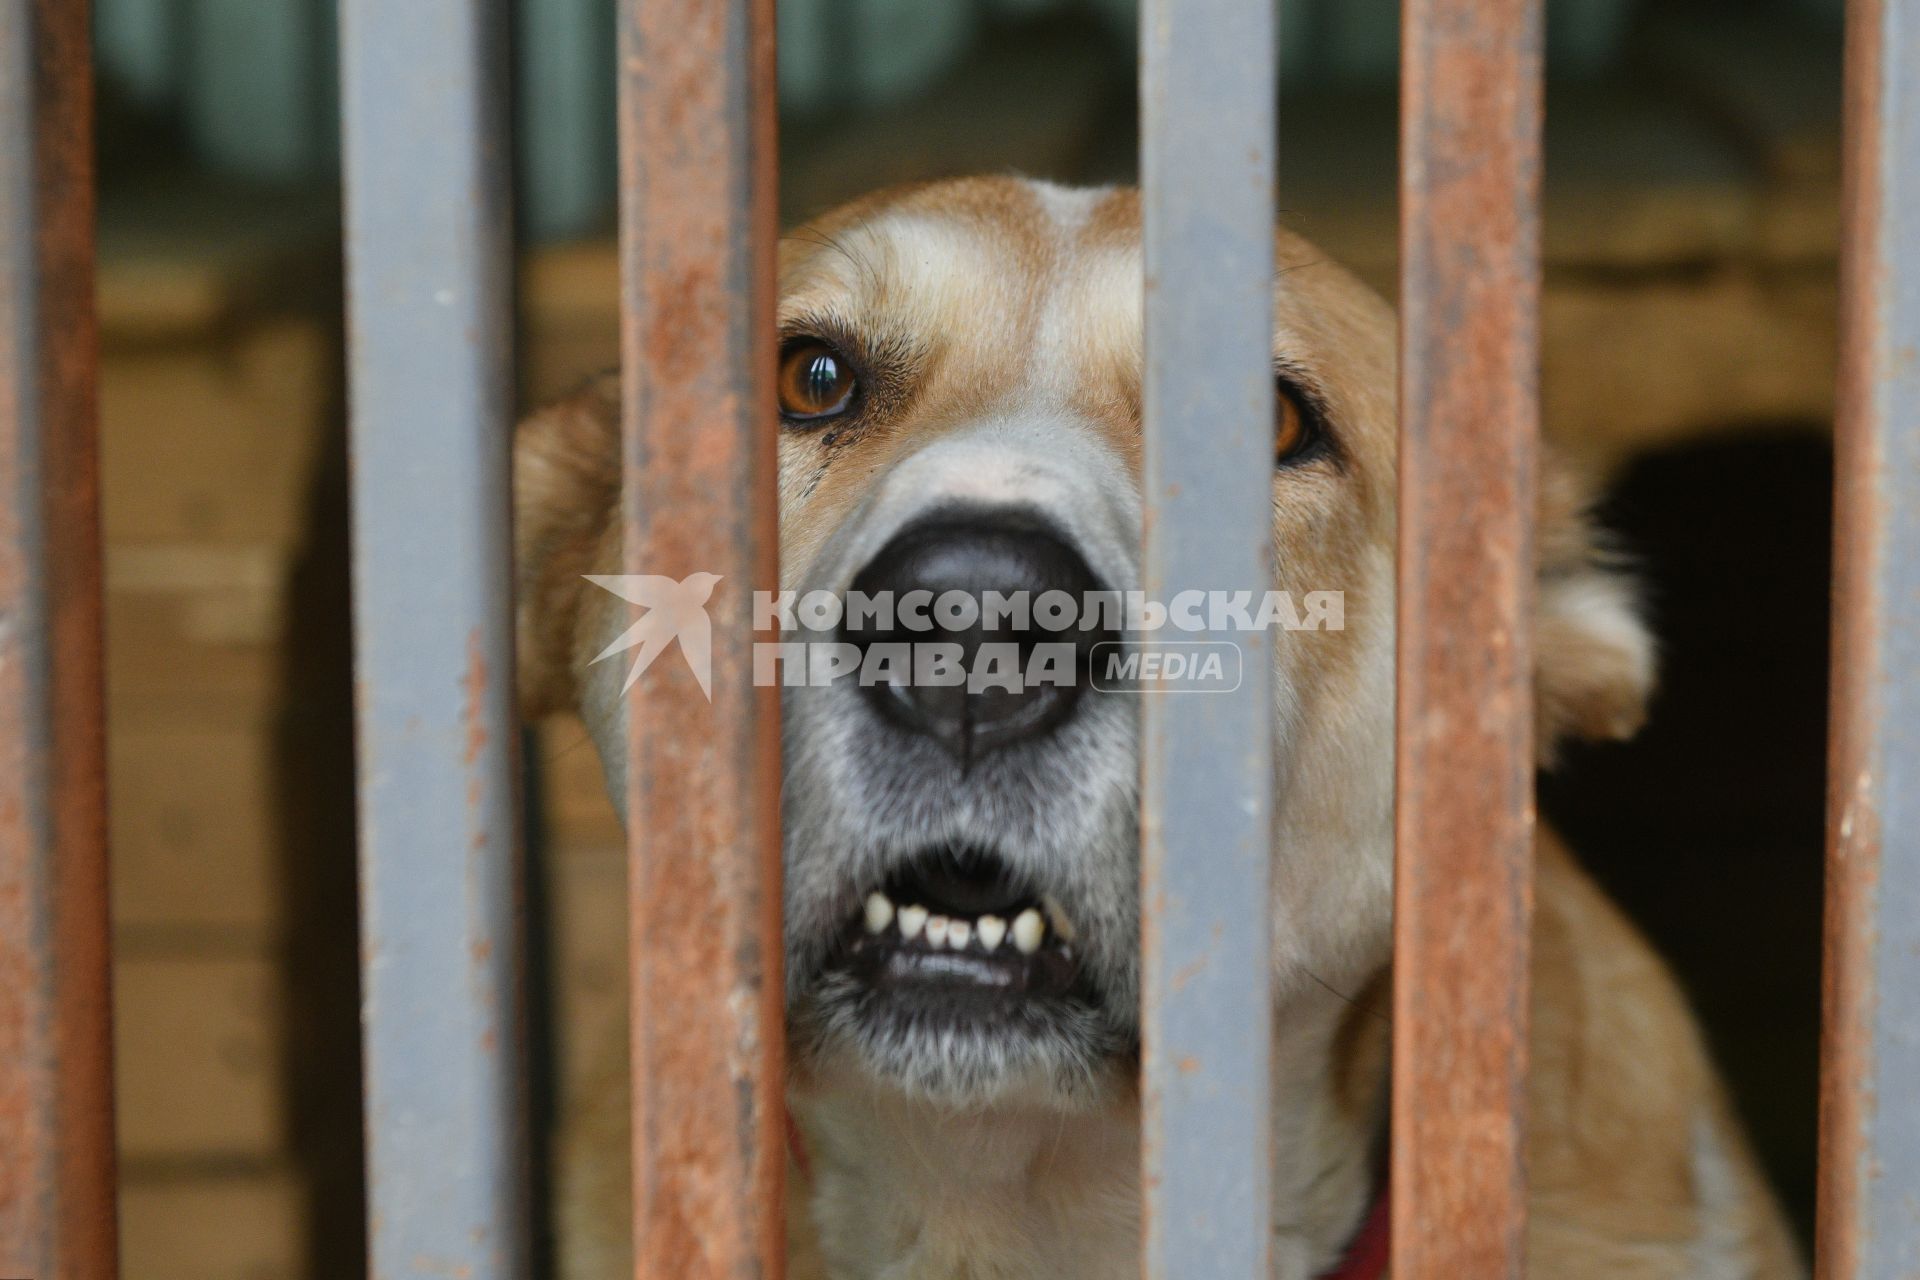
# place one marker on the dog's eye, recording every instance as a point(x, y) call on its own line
point(815, 381)
point(1296, 425)
point(1295, 428)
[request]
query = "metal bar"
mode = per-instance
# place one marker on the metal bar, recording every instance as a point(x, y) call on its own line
point(1206, 158)
point(1469, 411)
point(1869, 1210)
point(697, 185)
point(429, 311)
point(57, 1218)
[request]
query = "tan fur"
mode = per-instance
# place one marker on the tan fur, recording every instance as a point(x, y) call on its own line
point(1626, 1108)
point(566, 478)
point(1001, 296)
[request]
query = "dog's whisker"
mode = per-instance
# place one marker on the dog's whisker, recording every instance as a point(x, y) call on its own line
point(1383, 1016)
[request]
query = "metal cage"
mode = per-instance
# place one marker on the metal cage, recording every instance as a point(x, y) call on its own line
point(430, 352)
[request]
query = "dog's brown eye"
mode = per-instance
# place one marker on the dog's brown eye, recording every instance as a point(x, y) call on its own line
point(1292, 424)
point(815, 381)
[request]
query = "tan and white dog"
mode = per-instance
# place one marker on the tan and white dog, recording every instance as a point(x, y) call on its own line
point(960, 396)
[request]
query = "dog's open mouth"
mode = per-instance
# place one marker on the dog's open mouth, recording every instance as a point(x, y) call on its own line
point(959, 924)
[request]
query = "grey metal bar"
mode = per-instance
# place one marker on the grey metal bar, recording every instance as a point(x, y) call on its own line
point(697, 185)
point(1469, 426)
point(429, 271)
point(1869, 1225)
point(56, 1077)
point(1206, 158)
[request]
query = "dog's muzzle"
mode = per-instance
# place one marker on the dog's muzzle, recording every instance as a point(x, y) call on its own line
point(954, 922)
point(962, 855)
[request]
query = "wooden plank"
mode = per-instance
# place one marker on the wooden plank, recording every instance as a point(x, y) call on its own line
point(199, 1042)
point(242, 1225)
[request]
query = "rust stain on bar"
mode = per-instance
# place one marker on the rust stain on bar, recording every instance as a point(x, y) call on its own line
point(1869, 1213)
point(1470, 139)
point(57, 1218)
point(1853, 835)
point(697, 234)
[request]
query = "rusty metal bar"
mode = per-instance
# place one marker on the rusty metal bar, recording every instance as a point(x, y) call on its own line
point(1469, 409)
point(430, 320)
point(1206, 159)
point(57, 1218)
point(697, 185)
point(1869, 1211)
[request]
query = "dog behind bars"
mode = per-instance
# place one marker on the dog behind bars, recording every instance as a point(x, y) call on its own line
point(959, 388)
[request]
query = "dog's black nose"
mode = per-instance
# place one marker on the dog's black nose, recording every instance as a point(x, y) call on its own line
point(1007, 596)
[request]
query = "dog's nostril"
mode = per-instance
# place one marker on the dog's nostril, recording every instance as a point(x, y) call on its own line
point(1004, 561)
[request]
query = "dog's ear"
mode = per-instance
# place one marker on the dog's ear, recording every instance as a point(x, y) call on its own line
point(566, 487)
point(1593, 653)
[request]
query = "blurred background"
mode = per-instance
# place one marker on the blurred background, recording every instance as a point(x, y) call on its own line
point(1690, 235)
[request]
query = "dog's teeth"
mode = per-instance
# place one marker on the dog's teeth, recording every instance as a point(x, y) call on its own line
point(937, 927)
point(912, 920)
point(958, 933)
point(879, 913)
point(1027, 931)
point(991, 930)
point(1058, 919)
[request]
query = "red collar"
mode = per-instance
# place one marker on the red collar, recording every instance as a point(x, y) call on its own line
point(797, 1148)
point(1365, 1259)
point(1367, 1254)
